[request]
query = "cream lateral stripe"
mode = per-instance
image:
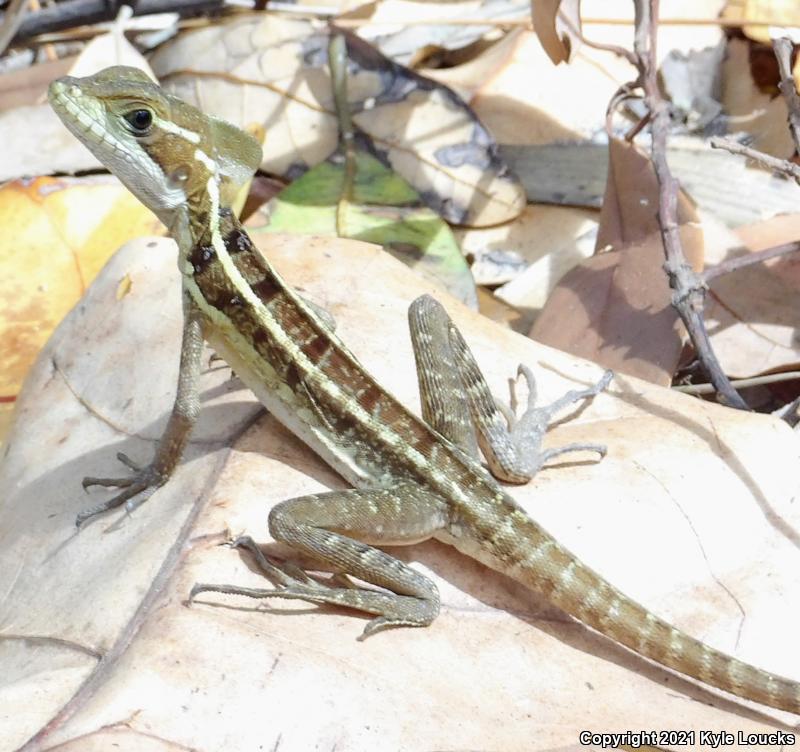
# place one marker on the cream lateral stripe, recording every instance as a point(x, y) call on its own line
point(312, 434)
point(213, 189)
point(170, 127)
point(383, 432)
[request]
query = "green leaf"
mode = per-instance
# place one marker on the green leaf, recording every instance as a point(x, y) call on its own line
point(376, 205)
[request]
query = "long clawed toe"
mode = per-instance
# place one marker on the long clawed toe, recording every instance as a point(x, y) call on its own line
point(125, 482)
point(136, 489)
point(289, 580)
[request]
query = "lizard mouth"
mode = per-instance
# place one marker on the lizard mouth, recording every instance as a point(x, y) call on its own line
point(68, 100)
point(64, 97)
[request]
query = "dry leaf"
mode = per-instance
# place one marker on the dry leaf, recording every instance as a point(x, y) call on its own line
point(676, 32)
point(524, 99)
point(615, 308)
point(551, 239)
point(100, 650)
point(518, 111)
point(691, 84)
point(496, 266)
point(630, 206)
point(59, 233)
point(752, 314)
point(42, 145)
point(109, 49)
point(274, 71)
point(386, 25)
point(774, 12)
point(760, 114)
point(28, 86)
point(467, 78)
point(718, 182)
point(495, 309)
point(555, 23)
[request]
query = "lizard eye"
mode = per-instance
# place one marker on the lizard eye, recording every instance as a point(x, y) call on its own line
point(139, 120)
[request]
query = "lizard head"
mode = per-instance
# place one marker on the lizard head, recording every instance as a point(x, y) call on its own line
point(169, 154)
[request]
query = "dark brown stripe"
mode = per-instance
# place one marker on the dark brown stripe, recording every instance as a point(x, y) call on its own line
point(221, 293)
point(371, 397)
point(238, 241)
point(226, 301)
point(251, 266)
point(267, 288)
point(317, 347)
point(292, 376)
point(201, 256)
point(260, 339)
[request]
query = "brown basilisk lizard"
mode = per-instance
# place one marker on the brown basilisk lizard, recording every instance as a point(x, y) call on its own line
point(414, 478)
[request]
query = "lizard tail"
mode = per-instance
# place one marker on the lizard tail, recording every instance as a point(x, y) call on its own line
point(549, 568)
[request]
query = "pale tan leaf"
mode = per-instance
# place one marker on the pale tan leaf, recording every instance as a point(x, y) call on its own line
point(41, 143)
point(551, 239)
point(717, 181)
point(775, 13)
point(524, 99)
point(469, 77)
point(99, 648)
point(495, 309)
point(108, 49)
point(752, 314)
point(760, 114)
point(386, 25)
point(28, 86)
point(273, 71)
point(630, 205)
point(58, 235)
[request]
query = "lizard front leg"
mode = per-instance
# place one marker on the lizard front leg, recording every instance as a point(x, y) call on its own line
point(139, 486)
point(337, 528)
point(453, 391)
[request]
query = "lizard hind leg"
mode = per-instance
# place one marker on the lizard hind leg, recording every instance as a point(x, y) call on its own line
point(510, 443)
point(441, 391)
point(337, 528)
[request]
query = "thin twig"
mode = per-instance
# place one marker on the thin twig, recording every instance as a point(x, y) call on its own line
point(67, 14)
point(353, 23)
point(783, 53)
point(44, 29)
point(789, 413)
point(12, 20)
point(634, 132)
point(783, 166)
point(688, 287)
point(612, 48)
point(748, 259)
point(770, 378)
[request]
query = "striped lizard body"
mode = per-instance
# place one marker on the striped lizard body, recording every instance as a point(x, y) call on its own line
point(414, 479)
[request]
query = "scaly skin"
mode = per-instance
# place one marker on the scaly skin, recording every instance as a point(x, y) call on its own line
point(411, 482)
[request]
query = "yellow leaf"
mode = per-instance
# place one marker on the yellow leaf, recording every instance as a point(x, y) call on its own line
point(59, 232)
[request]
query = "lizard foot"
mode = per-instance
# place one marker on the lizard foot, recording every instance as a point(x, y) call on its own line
point(526, 431)
point(137, 488)
point(293, 583)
